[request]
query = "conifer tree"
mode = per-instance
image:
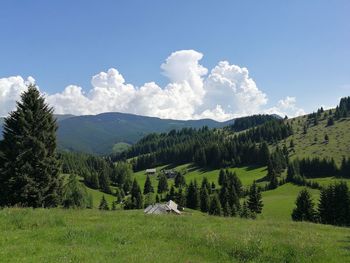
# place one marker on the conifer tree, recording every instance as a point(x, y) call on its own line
point(136, 196)
point(264, 153)
point(179, 180)
point(222, 177)
point(254, 202)
point(304, 210)
point(192, 198)
point(215, 206)
point(204, 200)
point(114, 207)
point(148, 188)
point(226, 210)
point(74, 194)
point(105, 182)
point(157, 198)
point(330, 121)
point(206, 184)
point(245, 212)
point(162, 184)
point(180, 198)
point(29, 166)
point(171, 195)
point(103, 204)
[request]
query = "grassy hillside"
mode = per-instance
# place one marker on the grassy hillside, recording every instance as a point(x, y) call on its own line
point(130, 236)
point(279, 203)
point(313, 144)
point(246, 174)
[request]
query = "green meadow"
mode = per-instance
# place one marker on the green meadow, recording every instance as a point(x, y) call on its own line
point(59, 235)
point(313, 144)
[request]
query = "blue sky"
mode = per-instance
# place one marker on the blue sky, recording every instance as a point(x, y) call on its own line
point(291, 48)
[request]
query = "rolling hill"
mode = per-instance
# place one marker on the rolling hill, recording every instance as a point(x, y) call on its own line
point(103, 133)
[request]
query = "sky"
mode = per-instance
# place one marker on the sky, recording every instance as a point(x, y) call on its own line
point(176, 59)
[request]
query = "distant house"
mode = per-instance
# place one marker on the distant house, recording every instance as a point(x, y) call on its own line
point(170, 173)
point(151, 171)
point(168, 208)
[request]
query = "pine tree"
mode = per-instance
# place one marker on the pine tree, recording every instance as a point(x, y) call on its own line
point(264, 153)
point(162, 184)
point(171, 195)
point(254, 202)
point(222, 177)
point(304, 210)
point(157, 199)
point(114, 207)
point(215, 206)
point(245, 212)
point(204, 200)
point(205, 184)
point(30, 168)
point(226, 211)
point(192, 198)
point(291, 144)
point(330, 121)
point(74, 194)
point(148, 188)
point(273, 184)
point(179, 180)
point(103, 204)
point(105, 182)
point(136, 196)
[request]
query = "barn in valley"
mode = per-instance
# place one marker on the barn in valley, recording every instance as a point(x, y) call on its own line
point(151, 171)
point(167, 208)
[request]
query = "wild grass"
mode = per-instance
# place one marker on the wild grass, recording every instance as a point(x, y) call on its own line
point(313, 144)
point(59, 235)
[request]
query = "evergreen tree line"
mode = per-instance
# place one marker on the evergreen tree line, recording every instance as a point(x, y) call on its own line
point(299, 170)
point(245, 123)
point(98, 172)
point(216, 151)
point(222, 201)
point(333, 206)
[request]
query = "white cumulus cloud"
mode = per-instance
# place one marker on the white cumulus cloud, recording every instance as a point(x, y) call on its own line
point(287, 106)
point(10, 91)
point(227, 91)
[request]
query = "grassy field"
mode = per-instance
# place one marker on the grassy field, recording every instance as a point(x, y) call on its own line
point(59, 235)
point(313, 144)
point(330, 180)
point(279, 203)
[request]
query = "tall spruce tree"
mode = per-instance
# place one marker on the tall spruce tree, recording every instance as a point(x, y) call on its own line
point(136, 196)
point(103, 204)
point(29, 165)
point(75, 194)
point(192, 197)
point(204, 200)
point(162, 184)
point(254, 202)
point(148, 188)
point(179, 180)
point(304, 210)
point(215, 206)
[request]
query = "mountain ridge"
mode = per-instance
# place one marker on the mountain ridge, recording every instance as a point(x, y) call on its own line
point(98, 134)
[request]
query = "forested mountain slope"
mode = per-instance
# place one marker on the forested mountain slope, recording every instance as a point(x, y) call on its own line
point(108, 132)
